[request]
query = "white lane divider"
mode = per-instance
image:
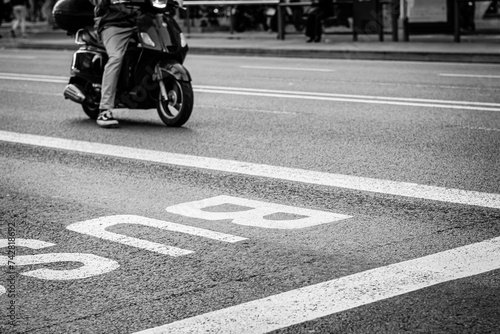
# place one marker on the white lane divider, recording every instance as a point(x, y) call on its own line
point(409, 102)
point(458, 75)
point(12, 56)
point(351, 96)
point(405, 189)
point(33, 77)
point(323, 299)
point(277, 68)
point(399, 101)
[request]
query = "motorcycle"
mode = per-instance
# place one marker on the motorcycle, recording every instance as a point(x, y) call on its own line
point(152, 74)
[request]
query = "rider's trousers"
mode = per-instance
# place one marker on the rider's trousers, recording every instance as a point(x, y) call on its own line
point(115, 41)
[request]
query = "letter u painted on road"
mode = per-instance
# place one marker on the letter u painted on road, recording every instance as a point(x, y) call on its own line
point(254, 213)
point(97, 228)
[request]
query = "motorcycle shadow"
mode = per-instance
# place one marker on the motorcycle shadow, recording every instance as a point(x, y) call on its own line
point(142, 125)
point(134, 118)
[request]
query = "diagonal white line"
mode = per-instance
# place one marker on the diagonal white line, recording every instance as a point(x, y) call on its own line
point(368, 97)
point(405, 189)
point(286, 68)
point(323, 299)
point(17, 57)
point(486, 76)
point(23, 76)
point(36, 79)
point(339, 99)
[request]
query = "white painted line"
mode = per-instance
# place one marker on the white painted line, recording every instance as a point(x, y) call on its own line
point(319, 300)
point(305, 97)
point(253, 110)
point(22, 76)
point(405, 189)
point(33, 77)
point(480, 128)
point(286, 68)
point(462, 105)
point(18, 91)
point(349, 96)
point(400, 101)
point(17, 57)
point(484, 76)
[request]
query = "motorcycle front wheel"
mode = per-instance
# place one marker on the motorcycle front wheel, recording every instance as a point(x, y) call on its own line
point(175, 102)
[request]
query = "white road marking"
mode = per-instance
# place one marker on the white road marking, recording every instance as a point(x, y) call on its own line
point(97, 228)
point(462, 105)
point(33, 77)
point(253, 110)
point(28, 243)
point(405, 189)
point(92, 264)
point(480, 128)
point(350, 96)
point(323, 299)
point(485, 76)
point(18, 91)
point(286, 68)
point(400, 101)
point(256, 213)
point(17, 57)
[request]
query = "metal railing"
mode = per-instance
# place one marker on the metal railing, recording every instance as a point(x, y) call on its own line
point(281, 7)
point(355, 31)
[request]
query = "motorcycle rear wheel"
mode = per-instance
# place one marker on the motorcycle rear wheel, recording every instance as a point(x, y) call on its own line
point(176, 110)
point(92, 111)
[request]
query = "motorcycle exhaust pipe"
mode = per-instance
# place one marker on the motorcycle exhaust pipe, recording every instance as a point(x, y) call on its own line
point(74, 93)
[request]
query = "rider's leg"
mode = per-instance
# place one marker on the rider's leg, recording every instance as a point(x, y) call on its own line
point(115, 40)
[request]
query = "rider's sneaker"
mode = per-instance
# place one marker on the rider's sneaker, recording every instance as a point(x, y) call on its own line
point(106, 120)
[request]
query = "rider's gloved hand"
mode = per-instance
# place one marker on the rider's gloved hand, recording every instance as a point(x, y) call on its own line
point(179, 2)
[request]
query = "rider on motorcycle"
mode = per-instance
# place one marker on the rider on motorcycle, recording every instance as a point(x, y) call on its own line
point(115, 25)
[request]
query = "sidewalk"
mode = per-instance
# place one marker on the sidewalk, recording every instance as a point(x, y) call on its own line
point(473, 48)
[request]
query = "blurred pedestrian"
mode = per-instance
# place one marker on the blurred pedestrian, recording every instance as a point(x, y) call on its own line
point(20, 11)
point(47, 7)
point(320, 10)
point(2, 14)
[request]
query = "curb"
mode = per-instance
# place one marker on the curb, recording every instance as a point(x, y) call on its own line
point(352, 55)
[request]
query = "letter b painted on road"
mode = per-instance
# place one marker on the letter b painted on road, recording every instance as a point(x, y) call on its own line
point(254, 213)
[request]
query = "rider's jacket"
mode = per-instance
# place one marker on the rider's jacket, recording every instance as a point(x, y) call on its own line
point(108, 14)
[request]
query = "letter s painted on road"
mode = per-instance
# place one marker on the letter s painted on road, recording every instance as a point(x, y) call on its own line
point(92, 264)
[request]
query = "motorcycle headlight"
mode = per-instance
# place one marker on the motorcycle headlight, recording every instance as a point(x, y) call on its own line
point(160, 4)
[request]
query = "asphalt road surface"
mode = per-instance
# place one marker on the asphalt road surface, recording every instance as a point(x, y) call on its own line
point(303, 196)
